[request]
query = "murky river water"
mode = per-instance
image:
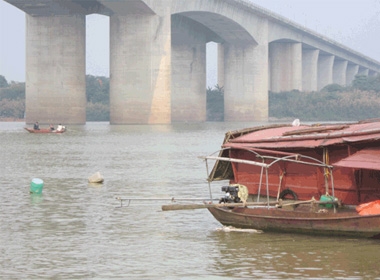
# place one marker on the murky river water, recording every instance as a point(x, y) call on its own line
point(76, 230)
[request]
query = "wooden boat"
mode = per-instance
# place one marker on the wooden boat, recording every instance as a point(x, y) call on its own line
point(279, 161)
point(44, 130)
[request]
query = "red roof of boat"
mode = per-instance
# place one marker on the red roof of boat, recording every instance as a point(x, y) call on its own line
point(305, 136)
point(367, 158)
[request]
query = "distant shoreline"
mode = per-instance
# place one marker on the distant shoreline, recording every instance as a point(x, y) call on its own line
point(11, 120)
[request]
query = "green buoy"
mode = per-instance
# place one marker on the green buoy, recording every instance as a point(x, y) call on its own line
point(36, 186)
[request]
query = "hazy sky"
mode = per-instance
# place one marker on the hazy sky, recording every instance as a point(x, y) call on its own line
point(353, 23)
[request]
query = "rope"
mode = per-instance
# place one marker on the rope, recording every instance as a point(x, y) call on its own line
point(326, 170)
point(279, 185)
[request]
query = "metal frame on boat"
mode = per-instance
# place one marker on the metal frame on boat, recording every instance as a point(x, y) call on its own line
point(287, 157)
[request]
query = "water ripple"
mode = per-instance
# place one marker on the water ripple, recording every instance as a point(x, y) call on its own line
point(75, 230)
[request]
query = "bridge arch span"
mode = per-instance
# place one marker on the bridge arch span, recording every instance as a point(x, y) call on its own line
point(191, 31)
point(226, 29)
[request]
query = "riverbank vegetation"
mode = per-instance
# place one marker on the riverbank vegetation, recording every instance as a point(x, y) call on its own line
point(12, 99)
point(97, 94)
point(359, 101)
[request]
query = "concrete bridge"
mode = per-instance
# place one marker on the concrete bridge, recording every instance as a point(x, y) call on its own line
point(158, 59)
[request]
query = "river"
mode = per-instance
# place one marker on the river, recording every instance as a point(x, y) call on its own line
point(76, 230)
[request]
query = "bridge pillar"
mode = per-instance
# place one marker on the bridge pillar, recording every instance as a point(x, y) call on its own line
point(220, 65)
point(188, 98)
point(340, 72)
point(246, 83)
point(363, 71)
point(325, 70)
point(140, 68)
point(55, 69)
point(285, 62)
point(309, 69)
point(352, 71)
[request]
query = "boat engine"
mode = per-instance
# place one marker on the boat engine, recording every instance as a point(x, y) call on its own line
point(231, 195)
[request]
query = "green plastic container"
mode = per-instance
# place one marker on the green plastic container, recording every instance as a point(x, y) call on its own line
point(36, 186)
point(327, 198)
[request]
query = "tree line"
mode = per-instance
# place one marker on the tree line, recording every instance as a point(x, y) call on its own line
point(360, 100)
point(12, 99)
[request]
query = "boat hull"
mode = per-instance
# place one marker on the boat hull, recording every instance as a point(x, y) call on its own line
point(347, 223)
point(43, 130)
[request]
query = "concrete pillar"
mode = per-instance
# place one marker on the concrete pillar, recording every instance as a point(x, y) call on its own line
point(352, 71)
point(363, 71)
point(56, 69)
point(339, 72)
point(221, 65)
point(372, 73)
point(140, 68)
point(260, 71)
point(325, 70)
point(310, 69)
point(246, 83)
point(188, 98)
point(285, 60)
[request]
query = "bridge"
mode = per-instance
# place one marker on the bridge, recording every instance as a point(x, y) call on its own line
point(158, 59)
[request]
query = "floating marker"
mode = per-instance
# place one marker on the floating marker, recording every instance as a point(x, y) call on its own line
point(36, 186)
point(96, 178)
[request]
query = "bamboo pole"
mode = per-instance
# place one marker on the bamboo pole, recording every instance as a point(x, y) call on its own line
point(213, 205)
point(277, 204)
point(128, 200)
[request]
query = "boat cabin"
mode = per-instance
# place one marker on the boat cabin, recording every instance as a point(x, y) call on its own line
point(352, 149)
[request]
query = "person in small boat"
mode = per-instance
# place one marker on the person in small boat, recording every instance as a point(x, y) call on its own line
point(51, 127)
point(36, 126)
point(60, 127)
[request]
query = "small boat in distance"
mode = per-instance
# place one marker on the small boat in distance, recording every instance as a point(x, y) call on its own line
point(44, 130)
point(300, 179)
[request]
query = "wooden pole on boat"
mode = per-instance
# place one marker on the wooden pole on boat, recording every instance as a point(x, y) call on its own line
point(128, 200)
point(171, 207)
point(277, 204)
point(209, 182)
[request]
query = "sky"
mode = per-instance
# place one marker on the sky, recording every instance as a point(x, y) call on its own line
point(353, 23)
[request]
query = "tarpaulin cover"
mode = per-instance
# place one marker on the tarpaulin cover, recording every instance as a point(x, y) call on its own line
point(370, 208)
point(368, 158)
